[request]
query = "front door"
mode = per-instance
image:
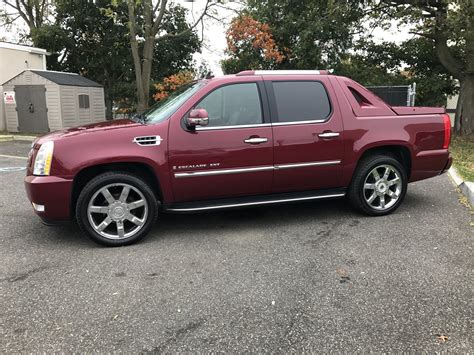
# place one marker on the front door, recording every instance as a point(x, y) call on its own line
point(31, 108)
point(307, 134)
point(233, 155)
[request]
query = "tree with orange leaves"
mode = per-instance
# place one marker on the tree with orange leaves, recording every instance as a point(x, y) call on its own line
point(250, 45)
point(171, 83)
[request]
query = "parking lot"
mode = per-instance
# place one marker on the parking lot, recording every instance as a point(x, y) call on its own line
point(302, 277)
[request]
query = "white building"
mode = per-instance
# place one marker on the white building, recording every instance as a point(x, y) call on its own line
point(49, 100)
point(14, 59)
point(451, 107)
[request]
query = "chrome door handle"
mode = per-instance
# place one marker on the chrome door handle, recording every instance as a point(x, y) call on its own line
point(255, 140)
point(328, 135)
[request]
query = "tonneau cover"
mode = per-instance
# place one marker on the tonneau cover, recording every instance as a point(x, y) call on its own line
point(408, 110)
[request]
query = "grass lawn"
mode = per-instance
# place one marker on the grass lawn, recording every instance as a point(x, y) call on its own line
point(462, 149)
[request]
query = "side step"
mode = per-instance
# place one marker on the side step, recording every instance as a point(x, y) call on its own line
point(238, 202)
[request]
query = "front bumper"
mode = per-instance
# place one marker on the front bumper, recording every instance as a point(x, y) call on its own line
point(50, 196)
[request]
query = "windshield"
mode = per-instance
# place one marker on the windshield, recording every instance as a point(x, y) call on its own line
point(166, 107)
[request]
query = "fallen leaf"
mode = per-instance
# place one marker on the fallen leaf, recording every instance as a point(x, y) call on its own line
point(442, 338)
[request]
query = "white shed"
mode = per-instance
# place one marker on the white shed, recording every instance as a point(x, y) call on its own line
point(42, 101)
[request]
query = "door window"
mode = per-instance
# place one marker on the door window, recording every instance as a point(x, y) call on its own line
point(301, 101)
point(233, 105)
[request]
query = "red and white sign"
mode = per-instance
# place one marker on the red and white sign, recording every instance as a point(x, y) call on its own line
point(9, 97)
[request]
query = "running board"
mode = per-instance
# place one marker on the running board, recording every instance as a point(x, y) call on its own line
point(238, 202)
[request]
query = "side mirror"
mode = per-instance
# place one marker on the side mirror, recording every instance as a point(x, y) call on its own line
point(197, 117)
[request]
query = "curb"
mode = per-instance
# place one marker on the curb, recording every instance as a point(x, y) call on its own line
point(466, 187)
point(7, 138)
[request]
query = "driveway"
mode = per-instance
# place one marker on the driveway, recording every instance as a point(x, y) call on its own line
point(303, 277)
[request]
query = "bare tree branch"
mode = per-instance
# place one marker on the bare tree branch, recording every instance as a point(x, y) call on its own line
point(159, 18)
point(190, 28)
point(10, 21)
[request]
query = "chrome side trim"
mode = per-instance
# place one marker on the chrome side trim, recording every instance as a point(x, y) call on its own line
point(297, 122)
point(253, 169)
point(222, 171)
point(302, 165)
point(259, 125)
point(255, 203)
point(234, 127)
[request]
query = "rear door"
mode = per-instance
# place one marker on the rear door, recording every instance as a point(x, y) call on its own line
point(233, 155)
point(307, 133)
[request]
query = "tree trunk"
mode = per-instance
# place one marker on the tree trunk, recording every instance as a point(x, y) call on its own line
point(146, 73)
point(464, 120)
point(108, 109)
point(132, 24)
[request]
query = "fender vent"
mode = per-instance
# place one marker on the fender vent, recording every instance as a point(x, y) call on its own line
point(148, 140)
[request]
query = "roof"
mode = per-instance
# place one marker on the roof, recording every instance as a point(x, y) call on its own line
point(20, 47)
point(68, 79)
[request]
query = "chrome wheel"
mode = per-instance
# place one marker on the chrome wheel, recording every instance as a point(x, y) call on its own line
point(117, 211)
point(382, 187)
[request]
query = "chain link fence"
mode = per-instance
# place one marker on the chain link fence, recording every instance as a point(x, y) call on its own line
point(401, 95)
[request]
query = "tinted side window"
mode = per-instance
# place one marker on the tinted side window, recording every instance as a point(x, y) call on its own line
point(301, 101)
point(233, 105)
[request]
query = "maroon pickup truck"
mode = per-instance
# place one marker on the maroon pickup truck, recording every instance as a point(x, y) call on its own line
point(250, 139)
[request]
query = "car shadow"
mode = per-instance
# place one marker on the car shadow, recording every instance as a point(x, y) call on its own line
point(332, 212)
point(171, 226)
point(176, 226)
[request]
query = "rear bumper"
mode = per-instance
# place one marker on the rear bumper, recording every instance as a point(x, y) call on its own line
point(448, 164)
point(429, 163)
point(50, 196)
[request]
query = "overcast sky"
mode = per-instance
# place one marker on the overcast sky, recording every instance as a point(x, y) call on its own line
point(214, 42)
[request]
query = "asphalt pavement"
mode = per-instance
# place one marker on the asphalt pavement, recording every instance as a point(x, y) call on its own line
point(309, 277)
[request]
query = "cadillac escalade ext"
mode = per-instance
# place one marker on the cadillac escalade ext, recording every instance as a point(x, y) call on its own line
point(250, 139)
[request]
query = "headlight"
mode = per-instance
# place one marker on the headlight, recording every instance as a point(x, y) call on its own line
point(43, 159)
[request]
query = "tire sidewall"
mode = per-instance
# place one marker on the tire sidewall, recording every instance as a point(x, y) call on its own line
point(111, 178)
point(367, 169)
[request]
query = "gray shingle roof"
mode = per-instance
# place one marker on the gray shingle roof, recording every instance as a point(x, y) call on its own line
point(68, 79)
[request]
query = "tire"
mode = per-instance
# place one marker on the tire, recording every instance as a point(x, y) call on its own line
point(123, 215)
point(365, 185)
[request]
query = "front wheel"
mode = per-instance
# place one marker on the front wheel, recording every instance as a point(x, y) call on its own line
point(379, 185)
point(116, 209)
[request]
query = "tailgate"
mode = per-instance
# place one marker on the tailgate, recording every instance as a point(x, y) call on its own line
point(408, 110)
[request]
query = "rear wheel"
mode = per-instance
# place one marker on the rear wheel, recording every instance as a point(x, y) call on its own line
point(116, 209)
point(379, 185)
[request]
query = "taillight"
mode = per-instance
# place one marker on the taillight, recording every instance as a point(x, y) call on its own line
point(447, 131)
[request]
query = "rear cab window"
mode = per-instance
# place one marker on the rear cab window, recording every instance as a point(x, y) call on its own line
point(299, 101)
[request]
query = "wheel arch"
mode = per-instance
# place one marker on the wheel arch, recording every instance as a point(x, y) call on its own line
point(140, 169)
point(399, 151)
